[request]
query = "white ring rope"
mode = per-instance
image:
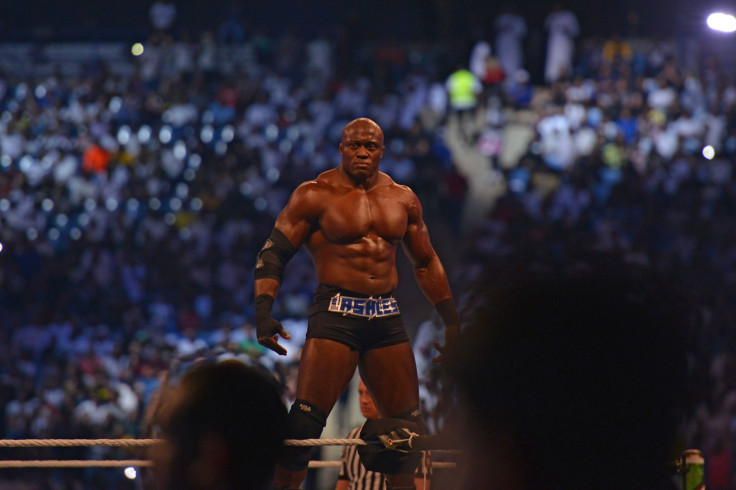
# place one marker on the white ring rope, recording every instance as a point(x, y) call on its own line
point(70, 463)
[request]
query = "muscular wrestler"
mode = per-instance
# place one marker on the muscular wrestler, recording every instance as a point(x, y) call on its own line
point(351, 219)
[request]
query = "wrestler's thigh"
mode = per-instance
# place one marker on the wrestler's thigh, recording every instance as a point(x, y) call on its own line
point(325, 369)
point(390, 373)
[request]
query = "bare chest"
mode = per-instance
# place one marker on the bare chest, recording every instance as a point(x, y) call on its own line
point(360, 213)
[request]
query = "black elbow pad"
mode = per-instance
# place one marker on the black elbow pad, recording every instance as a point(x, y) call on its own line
point(274, 255)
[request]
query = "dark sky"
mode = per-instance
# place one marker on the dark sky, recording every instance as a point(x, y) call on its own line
point(373, 19)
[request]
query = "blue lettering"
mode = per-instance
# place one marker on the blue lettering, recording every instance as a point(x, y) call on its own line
point(358, 306)
point(370, 308)
point(394, 306)
point(347, 305)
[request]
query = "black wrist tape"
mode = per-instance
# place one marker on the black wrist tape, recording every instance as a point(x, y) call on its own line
point(274, 255)
point(448, 313)
point(264, 305)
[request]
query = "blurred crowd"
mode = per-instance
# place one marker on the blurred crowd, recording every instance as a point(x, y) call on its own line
point(132, 206)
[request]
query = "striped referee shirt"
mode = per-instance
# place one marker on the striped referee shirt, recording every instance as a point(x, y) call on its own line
point(354, 471)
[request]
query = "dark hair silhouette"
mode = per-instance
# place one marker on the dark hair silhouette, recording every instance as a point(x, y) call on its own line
point(240, 408)
point(576, 370)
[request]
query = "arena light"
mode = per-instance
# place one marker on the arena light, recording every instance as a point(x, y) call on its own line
point(709, 152)
point(722, 22)
point(137, 49)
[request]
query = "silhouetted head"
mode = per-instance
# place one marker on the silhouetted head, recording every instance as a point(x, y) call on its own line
point(571, 375)
point(223, 427)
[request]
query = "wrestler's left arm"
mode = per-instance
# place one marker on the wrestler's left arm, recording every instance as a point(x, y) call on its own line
point(430, 273)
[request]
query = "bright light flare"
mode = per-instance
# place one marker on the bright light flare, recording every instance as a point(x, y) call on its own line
point(719, 21)
point(137, 49)
point(130, 473)
point(709, 152)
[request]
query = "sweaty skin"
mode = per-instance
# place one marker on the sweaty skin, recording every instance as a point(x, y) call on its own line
point(351, 219)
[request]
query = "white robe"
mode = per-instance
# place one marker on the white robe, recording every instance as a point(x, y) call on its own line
point(479, 59)
point(510, 30)
point(562, 27)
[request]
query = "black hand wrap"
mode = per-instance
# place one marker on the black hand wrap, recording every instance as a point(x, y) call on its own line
point(448, 313)
point(266, 324)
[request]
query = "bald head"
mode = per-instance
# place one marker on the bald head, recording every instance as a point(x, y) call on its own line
point(362, 125)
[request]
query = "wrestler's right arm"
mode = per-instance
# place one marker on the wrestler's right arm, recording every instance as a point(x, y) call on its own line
point(291, 230)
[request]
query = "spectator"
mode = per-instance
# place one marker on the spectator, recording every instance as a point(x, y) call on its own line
point(597, 347)
point(223, 427)
point(463, 88)
point(510, 29)
point(562, 27)
point(162, 15)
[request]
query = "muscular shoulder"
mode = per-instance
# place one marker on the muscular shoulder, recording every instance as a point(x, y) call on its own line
point(326, 179)
point(403, 193)
point(308, 198)
point(385, 180)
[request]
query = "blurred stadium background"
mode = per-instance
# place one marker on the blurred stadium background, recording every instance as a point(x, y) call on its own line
point(146, 147)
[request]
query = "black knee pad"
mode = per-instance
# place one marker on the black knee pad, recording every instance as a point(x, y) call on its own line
point(305, 422)
point(417, 417)
point(391, 461)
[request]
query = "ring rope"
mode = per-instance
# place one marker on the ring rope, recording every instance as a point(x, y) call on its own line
point(153, 442)
point(75, 463)
point(77, 442)
point(327, 442)
point(140, 463)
